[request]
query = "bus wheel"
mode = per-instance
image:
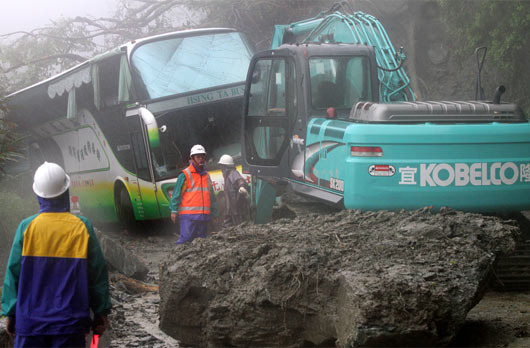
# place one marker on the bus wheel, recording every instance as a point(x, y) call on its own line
point(125, 210)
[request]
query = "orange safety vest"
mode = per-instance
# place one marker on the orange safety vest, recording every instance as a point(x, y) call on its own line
point(196, 196)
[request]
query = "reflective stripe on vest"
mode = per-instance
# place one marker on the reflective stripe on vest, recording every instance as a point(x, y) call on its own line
point(196, 196)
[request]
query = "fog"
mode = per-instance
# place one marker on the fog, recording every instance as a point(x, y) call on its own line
point(29, 14)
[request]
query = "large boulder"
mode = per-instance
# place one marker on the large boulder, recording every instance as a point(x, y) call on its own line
point(348, 279)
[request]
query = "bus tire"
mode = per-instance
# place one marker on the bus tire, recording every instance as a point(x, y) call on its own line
point(125, 210)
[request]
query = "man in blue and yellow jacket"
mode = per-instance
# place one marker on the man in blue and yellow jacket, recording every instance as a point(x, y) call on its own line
point(56, 272)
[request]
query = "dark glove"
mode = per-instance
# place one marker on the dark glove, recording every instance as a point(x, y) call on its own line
point(100, 324)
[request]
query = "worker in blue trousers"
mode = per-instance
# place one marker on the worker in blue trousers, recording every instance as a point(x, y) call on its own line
point(56, 273)
point(193, 199)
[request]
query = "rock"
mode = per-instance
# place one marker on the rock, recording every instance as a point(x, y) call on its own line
point(120, 258)
point(349, 279)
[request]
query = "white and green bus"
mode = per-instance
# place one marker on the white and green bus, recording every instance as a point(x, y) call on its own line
point(123, 122)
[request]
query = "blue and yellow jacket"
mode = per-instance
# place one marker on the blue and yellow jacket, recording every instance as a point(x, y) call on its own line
point(56, 273)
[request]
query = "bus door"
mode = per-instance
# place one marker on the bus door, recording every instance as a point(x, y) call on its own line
point(143, 134)
point(268, 123)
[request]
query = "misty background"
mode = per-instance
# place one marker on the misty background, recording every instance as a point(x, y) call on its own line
point(39, 39)
point(31, 14)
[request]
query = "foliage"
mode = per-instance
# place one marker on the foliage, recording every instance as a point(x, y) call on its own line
point(503, 27)
point(257, 18)
point(29, 57)
point(15, 208)
point(11, 143)
point(44, 52)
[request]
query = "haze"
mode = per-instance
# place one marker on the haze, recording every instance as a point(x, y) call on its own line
point(29, 14)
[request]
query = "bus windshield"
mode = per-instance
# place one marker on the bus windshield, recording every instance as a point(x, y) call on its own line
point(183, 64)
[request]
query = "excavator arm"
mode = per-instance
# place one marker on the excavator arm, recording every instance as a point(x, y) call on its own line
point(334, 26)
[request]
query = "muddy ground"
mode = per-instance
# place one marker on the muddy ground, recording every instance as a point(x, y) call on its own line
point(501, 319)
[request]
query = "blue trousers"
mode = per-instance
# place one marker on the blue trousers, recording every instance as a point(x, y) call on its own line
point(51, 341)
point(191, 229)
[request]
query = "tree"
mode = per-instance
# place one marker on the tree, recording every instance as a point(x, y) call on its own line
point(11, 143)
point(257, 18)
point(503, 27)
point(28, 57)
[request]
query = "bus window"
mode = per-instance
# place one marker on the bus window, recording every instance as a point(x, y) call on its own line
point(140, 157)
point(46, 150)
point(109, 75)
point(167, 158)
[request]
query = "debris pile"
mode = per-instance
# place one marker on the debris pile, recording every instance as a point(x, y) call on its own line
point(348, 279)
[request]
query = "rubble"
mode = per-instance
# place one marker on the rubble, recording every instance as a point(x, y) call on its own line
point(120, 258)
point(351, 278)
point(134, 321)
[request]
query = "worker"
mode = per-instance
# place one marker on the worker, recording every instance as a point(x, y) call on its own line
point(236, 193)
point(56, 272)
point(193, 198)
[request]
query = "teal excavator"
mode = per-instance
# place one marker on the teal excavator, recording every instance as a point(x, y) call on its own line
point(330, 113)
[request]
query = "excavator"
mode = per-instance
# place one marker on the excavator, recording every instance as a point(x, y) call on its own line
point(329, 113)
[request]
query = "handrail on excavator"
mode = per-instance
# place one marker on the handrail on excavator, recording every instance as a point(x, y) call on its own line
point(357, 28)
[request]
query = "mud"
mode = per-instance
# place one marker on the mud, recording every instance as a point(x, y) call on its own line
point(500, 319)
point(350, 279)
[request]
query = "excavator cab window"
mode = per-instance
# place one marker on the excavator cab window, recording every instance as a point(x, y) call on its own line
point(339, 82)
point(270, 110)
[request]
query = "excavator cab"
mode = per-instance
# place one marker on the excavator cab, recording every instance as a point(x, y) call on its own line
point(286, 89)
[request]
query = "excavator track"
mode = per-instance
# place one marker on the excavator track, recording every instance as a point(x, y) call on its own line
point(512, 272)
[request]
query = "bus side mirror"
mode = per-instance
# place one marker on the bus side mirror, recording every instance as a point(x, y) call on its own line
point(152, 127)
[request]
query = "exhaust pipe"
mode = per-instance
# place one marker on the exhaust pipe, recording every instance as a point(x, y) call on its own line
point(498, 92)
point(479, 91)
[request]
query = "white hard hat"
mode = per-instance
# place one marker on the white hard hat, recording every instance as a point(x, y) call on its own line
point(50, 180)
point(226, 160)
point(197, 150)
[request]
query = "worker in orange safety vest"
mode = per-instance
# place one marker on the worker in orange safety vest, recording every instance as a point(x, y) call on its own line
point(193, 198)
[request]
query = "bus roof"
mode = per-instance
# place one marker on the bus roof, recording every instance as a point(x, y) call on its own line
point(128, 46)
point(38, 99)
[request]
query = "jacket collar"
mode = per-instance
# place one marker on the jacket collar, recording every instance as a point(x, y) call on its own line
point(193, 168)
point(59, 204)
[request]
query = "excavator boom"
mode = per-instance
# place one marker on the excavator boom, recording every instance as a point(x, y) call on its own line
point(334, 26)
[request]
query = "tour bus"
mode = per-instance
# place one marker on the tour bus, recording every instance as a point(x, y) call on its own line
point(122, 123)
